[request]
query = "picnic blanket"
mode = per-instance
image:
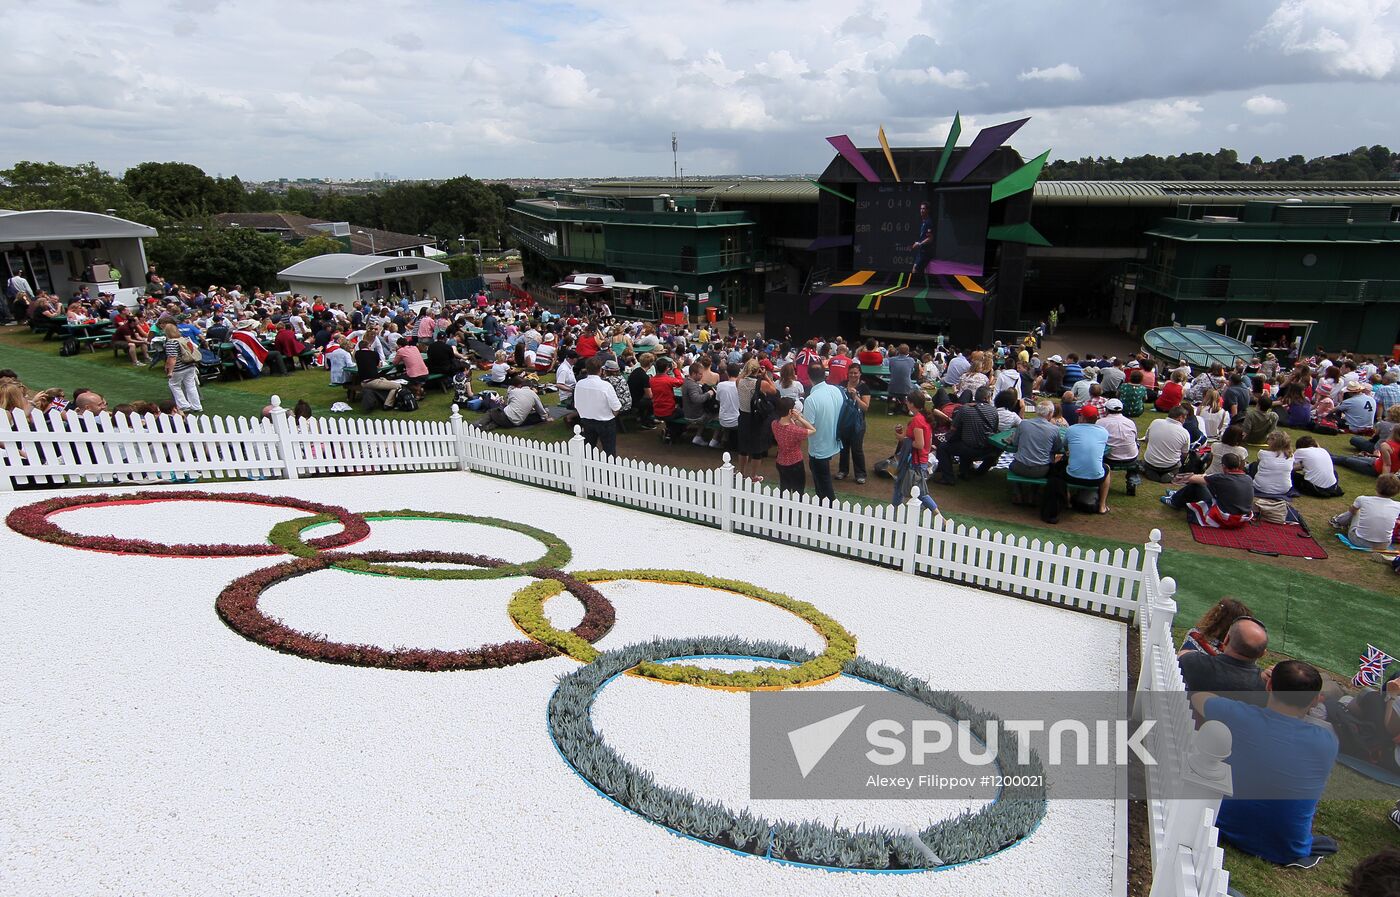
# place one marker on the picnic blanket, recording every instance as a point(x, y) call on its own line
point(1369, 770)
point(1354, 547)
point(1283, 539)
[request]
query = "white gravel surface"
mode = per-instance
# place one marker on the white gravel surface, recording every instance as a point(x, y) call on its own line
point(148, 749)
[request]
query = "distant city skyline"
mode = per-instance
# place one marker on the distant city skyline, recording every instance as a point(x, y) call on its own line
point(594, 88)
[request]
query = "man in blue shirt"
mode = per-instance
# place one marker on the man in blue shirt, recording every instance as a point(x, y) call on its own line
point(1074, 371)
point(902, 366)
point(1086, 444)
point(923, 247)
point(822, 408)
point(1358, 408)
point(1279, 763)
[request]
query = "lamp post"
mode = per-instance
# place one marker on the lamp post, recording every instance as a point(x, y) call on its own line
point(372, 250)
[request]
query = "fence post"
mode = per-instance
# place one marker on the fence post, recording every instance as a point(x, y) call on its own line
point(725, 496)
point(459, 435)
point(284, 437)
point(1205, 781)
point(1147, 590)
point(911, 530)
point(8, 424)
point(576, 461)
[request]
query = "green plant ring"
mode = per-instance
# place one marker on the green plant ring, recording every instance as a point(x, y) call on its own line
point(288, 536)
point(527, 612)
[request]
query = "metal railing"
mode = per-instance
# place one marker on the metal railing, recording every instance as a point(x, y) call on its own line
point(1272, 289)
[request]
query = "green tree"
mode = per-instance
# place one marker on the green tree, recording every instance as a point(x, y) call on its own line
point(82, 188)
point(204, 253)
point(461, 267)
point(176, 189)
point(317, 244)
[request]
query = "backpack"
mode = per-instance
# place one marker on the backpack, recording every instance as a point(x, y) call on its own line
point(850, 423)
point(189, 352)
point(69, 347)
point(405, 400)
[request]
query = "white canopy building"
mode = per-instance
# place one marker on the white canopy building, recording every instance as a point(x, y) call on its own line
point(343, 277)
point(62, 251)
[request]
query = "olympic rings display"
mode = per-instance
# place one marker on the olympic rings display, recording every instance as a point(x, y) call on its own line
point(237, 605)
point(287, 535)
point(33, 521)
point(1007, 820)
point(527, 612)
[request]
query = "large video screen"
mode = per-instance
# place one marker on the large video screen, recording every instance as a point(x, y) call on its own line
point(889, 222)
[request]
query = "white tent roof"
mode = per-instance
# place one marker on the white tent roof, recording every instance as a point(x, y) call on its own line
point(53, 224)
point(348, 268)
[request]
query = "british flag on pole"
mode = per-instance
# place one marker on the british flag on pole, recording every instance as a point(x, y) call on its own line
point(1373, 664)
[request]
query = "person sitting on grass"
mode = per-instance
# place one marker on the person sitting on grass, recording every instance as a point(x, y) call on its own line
point(1313, 471)
point(1210, 630)
point(1385, 460)
point(1231, 443)
point(1280, 763)
point(522, 408)
point(1260, 421)
point(1273, 471)
point(1234, 667)
point(1133, 395)
point(1222, 500)
point(1370, 523)
point(1384, 427)
point(1168, 444)
point(1378, 875)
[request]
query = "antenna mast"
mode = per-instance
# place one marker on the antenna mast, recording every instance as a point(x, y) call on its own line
point(675, 157)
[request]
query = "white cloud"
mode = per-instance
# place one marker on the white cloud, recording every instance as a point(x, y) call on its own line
point(956, 79)
point(1062, 72)
point(1263, 104)
point(1348, 37)
point(1176, 116)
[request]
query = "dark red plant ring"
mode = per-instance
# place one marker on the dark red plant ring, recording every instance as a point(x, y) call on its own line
point(237, 606)
point(33, 521)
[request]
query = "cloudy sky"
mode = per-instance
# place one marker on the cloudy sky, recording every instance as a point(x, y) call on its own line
point(499, 88)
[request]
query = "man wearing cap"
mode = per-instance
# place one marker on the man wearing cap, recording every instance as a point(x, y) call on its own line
point(1122, 442)
point(1086, 445)
point(1358, 408)
point(597, 405)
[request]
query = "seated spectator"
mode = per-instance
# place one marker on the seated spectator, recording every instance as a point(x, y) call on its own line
point(1231, 443)
point(1370, 523)
point(522, 408)
point(1232, 667)
point(1237, 397)
point(287, 343)
point(1172, 392)
point(967, 440)
point(441, 358)
point(1379, 874)
point(129, 336)
point(639, 383)
point(1083, 387)
point(500, 369)
point(1358, 409)
point(1280, 763)
point(663, 399)
point(338, 361)
point(1259, 421)
point(1069, 409)
point(695, 396)
point(1273, 471)
point(1367, 444)
point(1313, 471)
point(1036, 443)
point(1224, 500)
point(1298, 411)
point(1086, 446)
point(1212, 416)
point(1386, 459)
point(1008, 405)
point(1210, 630)
point(415, 369)
point(565, 378)
point(1168, 445)
point(1133, 395)
point(612, 372)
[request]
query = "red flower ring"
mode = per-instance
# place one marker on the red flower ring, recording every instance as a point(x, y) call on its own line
point(33, 521)
point(237, 606)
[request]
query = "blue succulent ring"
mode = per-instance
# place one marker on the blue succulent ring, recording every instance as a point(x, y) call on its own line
point(1001, 824)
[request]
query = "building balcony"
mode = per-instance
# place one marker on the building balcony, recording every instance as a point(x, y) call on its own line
point(675, 262)
point(1249, 289)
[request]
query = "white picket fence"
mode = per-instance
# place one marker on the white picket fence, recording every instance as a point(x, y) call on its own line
point(72, 449)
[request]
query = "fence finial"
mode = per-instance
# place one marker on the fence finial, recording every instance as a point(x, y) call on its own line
point(456, 412)
point(1168, 588)
point(913, 493)
point(276, 401)
point(726, 460)
point(1210, 745)
point(1155, 536)
point(578, 431)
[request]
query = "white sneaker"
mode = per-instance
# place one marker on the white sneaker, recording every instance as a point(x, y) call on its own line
point(698, 441)
point(715, 443)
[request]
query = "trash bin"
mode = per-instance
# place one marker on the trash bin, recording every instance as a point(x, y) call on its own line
point(712, 314)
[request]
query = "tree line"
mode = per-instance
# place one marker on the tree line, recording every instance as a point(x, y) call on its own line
point(1375, 163)
point(180, 200)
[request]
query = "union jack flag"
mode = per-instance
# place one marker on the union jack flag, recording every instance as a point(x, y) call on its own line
point(1373, 664)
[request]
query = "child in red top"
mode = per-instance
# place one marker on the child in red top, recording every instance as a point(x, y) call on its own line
point(663, 397)
point(790, 431)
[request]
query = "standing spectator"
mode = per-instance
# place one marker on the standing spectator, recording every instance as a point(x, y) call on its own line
point(822, 409)
point(565, 379)
point(182, 370)
point(664, 384)
point(853, 453)
point(727, 391)
point(639, 383)
point(902, 371)
point(790, 431)
point(920, 435)
point(597, 405)
point(755, 389)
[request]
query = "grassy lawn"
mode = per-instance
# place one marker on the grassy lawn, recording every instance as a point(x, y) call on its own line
point(1323, 611)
